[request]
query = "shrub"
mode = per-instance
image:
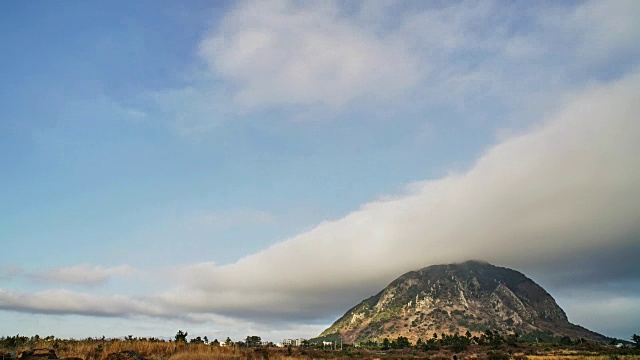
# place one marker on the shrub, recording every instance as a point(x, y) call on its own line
point(497, 355)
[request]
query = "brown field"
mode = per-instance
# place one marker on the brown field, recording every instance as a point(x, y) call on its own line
point(95, 349)
point(579, 357)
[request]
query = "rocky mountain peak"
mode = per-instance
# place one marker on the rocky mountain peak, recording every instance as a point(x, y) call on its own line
point(472, 296)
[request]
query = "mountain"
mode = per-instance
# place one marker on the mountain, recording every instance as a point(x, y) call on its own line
point(473, 296)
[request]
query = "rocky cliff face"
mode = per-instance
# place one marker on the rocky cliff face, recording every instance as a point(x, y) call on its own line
point(472, 296)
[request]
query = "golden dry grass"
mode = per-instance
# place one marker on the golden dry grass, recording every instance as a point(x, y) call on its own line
point(158, 350)
point(95, 349)
point(99, 350)
point(582, 357)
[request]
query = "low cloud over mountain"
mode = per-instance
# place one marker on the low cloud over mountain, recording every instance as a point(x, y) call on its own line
point(565, 190)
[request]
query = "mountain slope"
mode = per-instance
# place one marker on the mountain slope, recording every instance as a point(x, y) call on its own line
point(472, 296)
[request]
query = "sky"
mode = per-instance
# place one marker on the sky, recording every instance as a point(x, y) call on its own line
point(259, 167)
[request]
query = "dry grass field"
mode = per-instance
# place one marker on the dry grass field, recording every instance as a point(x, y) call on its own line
point(581, 357)
point(97, 349)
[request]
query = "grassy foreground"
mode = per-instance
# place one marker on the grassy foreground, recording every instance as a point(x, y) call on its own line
point(100, 349)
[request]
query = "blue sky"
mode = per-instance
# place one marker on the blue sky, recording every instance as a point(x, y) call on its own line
point(240, 151)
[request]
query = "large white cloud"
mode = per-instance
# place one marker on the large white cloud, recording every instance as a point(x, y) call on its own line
point(569, 186)
point(286, 53)
point(319, 60)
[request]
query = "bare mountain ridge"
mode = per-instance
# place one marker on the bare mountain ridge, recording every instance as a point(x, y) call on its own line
point(473, 296)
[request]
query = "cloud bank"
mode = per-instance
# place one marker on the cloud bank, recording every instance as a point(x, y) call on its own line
point(566, 188)
point(62, 301)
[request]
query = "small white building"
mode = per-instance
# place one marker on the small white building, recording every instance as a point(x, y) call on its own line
point(287, 342)
point(299, 341)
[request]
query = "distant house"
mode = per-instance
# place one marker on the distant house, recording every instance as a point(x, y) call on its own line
point(265, 343)
point(299, 341)
point(287, 342)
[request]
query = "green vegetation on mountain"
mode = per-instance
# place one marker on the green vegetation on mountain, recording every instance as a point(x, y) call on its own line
point(473, 297)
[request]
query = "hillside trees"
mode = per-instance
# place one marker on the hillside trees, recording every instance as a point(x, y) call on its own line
point(400, 343)
point(385, 344)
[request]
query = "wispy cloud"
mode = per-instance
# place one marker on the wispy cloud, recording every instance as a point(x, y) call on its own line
point(192, 110)
point(83, 274)
point(10, 271)
point(606, 29)
point(232, 218)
